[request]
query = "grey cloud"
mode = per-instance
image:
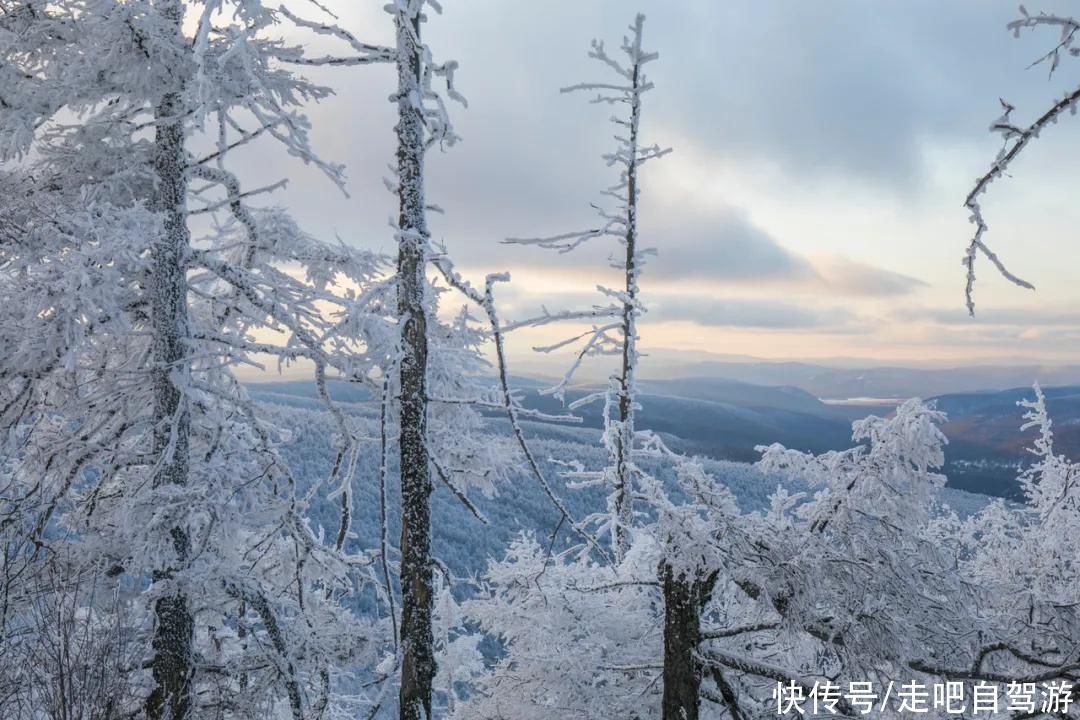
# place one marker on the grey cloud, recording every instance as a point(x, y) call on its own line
point(717, 245)
point(844, 87)
point(850, 87)
point(720, 245)
point(710, 311)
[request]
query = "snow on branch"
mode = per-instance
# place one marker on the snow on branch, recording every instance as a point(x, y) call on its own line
point(366, 53)
point(1068, 26)
point(444, 475)
point(618, 337)
point(546, 318)
point(600, 342)
point(566, 242)
point(1015, 139)
point(486, 302)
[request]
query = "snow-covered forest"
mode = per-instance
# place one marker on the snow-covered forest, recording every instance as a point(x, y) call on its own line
point(409, 527)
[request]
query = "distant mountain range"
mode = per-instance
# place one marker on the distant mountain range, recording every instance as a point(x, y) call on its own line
point(721, 420)
point(883, 381)
point(725, 419)
point(843, 378)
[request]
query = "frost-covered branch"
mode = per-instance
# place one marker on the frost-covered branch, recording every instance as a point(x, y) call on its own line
point(1015, 139)
point(486, 301)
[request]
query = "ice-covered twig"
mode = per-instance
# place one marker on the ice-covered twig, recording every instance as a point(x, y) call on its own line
point(366, 53)
point(1016, 139)
point(486, 302)
point(547, 317)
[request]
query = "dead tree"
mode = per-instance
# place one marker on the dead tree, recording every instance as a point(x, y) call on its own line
point(617, 336)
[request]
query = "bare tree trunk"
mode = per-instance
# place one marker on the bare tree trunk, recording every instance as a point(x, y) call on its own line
point(171, 666)
point(624, 440)
point(418, 658)
point(684, 600)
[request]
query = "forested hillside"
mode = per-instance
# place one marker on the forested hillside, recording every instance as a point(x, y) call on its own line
point(464, 542)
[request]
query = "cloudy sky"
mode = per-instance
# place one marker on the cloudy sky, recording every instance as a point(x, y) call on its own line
point(812, 207)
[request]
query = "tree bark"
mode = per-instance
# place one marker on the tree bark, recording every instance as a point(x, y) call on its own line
point(418, 658)
point(171, 666)
point(684, 600)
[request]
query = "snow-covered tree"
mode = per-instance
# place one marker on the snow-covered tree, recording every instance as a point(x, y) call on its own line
point(851, 584)
point(131, 451)
point(436, 374)
point(686, 584)
point(1022, 562)
point(72, 651)
point(616, 334)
